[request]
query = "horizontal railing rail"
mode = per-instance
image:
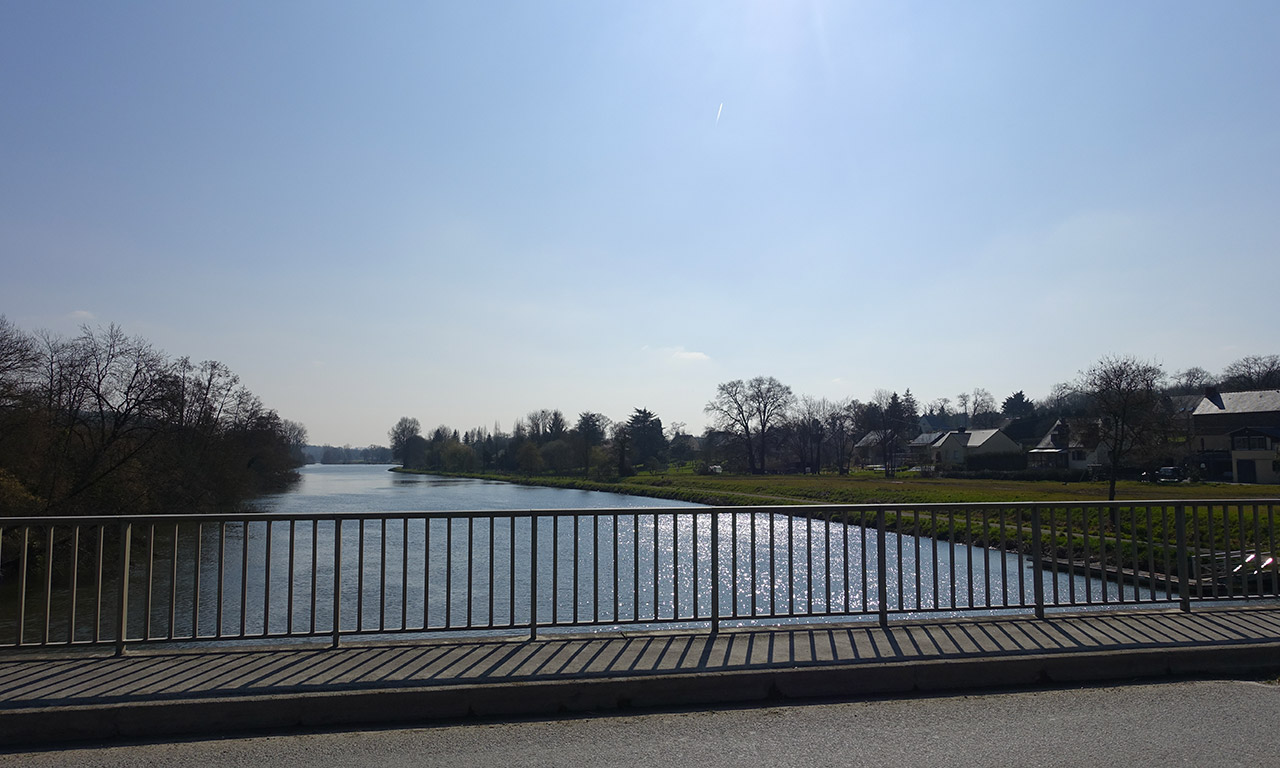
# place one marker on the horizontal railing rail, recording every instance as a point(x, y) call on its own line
point(110, 581)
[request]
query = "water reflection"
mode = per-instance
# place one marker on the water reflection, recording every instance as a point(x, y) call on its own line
point(262, 576)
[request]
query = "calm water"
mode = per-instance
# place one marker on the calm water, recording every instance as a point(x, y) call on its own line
point(648, 563)
point(363, 488)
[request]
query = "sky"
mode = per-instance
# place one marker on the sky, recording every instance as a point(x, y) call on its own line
point(462, 212)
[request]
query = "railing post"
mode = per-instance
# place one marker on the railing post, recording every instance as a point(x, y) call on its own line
point(1037, 562)
point(882, 567)
point(533, 579)
point(337, 581)
point(715, 572)
point(1184, 563)
point(122, 615)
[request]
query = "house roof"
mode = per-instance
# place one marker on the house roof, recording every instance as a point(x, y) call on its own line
point(1257, 401)
point(875, 437)
point(1047, 444)
point(1088, 439)
point(926, 438)
point(970, 437)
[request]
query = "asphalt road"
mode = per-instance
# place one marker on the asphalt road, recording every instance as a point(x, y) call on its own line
point(1199, 724)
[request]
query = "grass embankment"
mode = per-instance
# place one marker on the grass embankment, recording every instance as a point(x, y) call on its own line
point(1077, 531)
point(872, 488)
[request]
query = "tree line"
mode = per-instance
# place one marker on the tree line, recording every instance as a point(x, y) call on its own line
point(760, 425)
point(545, 441)
point(103, 424)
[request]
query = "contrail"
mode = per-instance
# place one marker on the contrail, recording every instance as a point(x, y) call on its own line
point(718, 111)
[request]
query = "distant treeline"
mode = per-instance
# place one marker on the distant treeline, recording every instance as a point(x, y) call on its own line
point(760, 426)
point(346, 454)
point(102, 423)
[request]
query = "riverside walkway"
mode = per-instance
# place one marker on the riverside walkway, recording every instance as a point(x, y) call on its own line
point(158, 693)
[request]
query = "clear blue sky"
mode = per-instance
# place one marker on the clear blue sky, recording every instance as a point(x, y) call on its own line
point(466, 211)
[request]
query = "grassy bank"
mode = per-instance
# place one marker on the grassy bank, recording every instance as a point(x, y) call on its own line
point(1077, 531)
point(873, 488)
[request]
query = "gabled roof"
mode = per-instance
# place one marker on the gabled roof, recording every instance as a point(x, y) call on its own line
point(1258, 401)
point(875, 437)
point(1087, 438)
point(970, 437)
point(926, 438)
point(1047, 444)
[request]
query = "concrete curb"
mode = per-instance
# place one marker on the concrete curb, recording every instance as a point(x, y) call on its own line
point(418, 706)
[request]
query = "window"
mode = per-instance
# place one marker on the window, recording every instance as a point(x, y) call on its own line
point(1250, 443)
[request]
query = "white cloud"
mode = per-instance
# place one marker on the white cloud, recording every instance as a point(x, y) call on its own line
point(82, 316)
point(677, 354)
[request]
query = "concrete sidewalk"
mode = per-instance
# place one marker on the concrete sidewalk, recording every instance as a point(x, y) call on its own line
point(57, 698)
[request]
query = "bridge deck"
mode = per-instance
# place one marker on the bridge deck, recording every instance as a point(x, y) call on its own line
point(151, 692)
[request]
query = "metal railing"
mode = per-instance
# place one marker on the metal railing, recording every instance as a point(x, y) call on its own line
point(79, 581)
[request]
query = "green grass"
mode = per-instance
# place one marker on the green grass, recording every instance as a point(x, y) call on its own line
point(874, 488)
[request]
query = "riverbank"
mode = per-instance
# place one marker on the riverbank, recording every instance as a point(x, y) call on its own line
point(866, 488)
point(1084, 525)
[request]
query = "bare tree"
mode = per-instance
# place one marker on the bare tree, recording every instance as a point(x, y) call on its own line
point(962, 400)
point(806, 425)
point(731, 411)
point(19, 359)
point(748, 411)
point(1125, 396)
point(1192, 381)
point(1252, 372)
point(106, 422)
point(983, 406)
point(841, 431)
point(1066, 399)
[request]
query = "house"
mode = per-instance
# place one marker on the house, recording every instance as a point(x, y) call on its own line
point(1221, 413)
point(921, 448)
point(1255, 455)
point(964, 447)
point(880, 447)
point(1061, 449)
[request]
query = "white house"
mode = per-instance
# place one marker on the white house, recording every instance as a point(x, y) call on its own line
point(955, 448)
point(1255, 455)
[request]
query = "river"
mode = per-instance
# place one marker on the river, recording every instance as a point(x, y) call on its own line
point(343, 489)
point(646, 564)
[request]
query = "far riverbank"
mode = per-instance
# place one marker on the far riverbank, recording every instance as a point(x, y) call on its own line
point(864, 488)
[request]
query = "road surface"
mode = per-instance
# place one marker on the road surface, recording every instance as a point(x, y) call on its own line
point(1198, 724)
